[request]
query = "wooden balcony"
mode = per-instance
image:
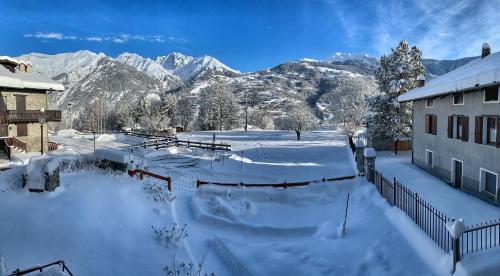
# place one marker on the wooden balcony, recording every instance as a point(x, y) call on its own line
point(28, 116)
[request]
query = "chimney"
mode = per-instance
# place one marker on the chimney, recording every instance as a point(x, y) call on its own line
point(486, 50)
point(22, 66)
point(29, 67)
point(420, 80)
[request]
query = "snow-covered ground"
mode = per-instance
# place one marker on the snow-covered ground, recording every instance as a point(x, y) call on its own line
point(452, 202)
point(100, 222)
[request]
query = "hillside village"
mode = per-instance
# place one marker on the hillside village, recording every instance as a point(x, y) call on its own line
point(351, 164)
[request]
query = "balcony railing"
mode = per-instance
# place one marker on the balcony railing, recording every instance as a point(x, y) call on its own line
point(28, 116)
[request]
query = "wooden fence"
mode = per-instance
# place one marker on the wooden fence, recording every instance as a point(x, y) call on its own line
point(40, 268)
point(275, 185)
point(433, 222)
point(142, 173)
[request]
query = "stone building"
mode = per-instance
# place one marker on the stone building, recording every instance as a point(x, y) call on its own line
point(23, 103)
point(456, 122)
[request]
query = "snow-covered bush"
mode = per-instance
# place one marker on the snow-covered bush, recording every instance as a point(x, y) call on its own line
point(159, 192)
point(186, 269)
point(170, 238)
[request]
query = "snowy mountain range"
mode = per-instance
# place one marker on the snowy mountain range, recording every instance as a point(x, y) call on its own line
point(121, 80)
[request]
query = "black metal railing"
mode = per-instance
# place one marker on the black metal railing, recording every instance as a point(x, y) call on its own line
point(433, 222)
point(40, 268)
point(427, 217)
point(480, 236)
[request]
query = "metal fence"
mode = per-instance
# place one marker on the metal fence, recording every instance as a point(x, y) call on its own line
point(480, 236)
point(433, 222)
point(427, 217)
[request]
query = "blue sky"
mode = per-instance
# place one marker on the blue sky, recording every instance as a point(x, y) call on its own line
point(249, 35)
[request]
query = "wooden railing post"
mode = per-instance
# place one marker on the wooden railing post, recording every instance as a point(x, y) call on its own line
point(141, 174)
point(169, 183)
point(198, 183)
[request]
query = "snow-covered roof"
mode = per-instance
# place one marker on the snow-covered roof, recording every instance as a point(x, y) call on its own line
point(32, 80)
point(477, 73)
point(9, 59)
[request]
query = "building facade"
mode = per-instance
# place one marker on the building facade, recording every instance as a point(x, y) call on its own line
point(456, 118)
point(23, 103)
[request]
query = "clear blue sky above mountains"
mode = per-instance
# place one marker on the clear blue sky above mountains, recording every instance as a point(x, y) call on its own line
point(249, 35)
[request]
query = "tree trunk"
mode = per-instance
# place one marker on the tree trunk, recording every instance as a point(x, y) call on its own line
point(298, 134)
point(246, 118)
point(396, 147)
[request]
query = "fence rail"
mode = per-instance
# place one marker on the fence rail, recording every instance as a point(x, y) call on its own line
point(275, 185)
point(62, 264)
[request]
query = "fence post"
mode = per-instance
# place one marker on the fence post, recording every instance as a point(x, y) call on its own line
point(198, 183)
point(394, 192)
point(169, 183)
point(381, 185)
point(416, 208)
point(456, 253)
point(156, 142)
point(141, 174)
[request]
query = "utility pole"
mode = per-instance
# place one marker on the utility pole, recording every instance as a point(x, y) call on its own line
point(70, 116)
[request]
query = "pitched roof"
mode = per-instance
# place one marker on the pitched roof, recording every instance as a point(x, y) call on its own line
point(477, 73)
point(32, 80)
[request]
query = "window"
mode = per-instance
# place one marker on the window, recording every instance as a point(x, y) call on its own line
point(431, 124)
point(428, 158)
point(491, 133)
point(429, 103)
point(458, 127)
point(458, 99)
point(487, 130)
point(491, 95)
point(488, 181)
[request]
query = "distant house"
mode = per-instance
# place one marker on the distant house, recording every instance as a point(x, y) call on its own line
point(456, 122)
point(23, 101)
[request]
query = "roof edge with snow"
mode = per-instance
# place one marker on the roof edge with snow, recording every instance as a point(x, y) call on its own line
point(479, 73)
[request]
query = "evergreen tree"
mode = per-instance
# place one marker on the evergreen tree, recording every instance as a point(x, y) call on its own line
point(388, 119)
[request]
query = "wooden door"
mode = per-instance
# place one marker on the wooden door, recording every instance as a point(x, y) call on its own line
point(458, 173)
point(22, 129)
point(21, 103)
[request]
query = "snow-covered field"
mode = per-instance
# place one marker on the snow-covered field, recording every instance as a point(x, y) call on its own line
point(100, 222)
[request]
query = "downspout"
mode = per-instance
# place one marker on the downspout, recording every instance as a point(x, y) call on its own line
point(412, 130)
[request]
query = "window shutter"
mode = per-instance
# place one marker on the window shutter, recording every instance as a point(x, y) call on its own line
point(426, 123)
point(498, 131)
point(450, 126)
point(465, 128)
point(478, 137)
point(434, 124)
